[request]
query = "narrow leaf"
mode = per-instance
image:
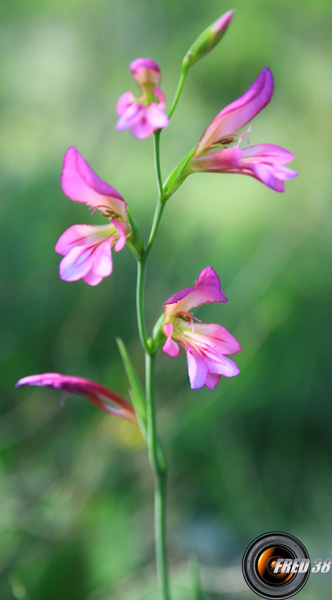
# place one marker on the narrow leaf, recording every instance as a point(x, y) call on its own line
point(136, 391)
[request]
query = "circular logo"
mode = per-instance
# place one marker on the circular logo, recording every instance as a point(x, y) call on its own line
point(276, 565)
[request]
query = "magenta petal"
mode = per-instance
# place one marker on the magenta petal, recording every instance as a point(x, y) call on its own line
point(97, 394)
point(268, 151)
point(146, 72)
point(92, 278)
point(206, 290)
point(226, 367)
point(160, 97)
point(82, 235)
point(197, 370)
point(76, 263)
point(124, 102)
point(217, 337)
point(170, 347)
point(142, 129)
point(156, 117)
point(237, 114)
point(132, 115)
point(123, 230)
point(81, 184)
point(82, 259)
point(102, 260)
point(212, 379)
point(218, 162)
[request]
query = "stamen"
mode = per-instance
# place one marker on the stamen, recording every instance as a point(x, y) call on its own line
point(188, 317)
point(243, 135)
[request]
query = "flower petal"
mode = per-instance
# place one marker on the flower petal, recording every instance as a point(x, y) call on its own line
point(217, 337)
point(81, 184)
point(205, 291)
point(83, 235)
point(76, 264)
point(269, 151)
point(142, 128)
point(145, 71)
point(197, 369)
point(97, 394)
point(170, 347)
point(225, 366)
point(220, 161)
point(124, 102)
point(123, 230)
point(82, 259)
point(237, 114)
point(130, 117)
point(212, 379)
point(156, 116)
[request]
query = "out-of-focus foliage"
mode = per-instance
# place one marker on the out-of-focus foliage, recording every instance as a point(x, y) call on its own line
point(252, 456)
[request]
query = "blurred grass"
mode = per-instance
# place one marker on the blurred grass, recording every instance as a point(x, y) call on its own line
point(253, 455)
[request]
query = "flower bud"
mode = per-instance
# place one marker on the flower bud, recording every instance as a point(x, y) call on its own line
point(146, 72)
point(208, 39)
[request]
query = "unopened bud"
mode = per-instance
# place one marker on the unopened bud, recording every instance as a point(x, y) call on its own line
point(208, 39)
point(146, 72)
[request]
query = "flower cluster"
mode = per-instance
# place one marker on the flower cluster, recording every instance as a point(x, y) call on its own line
point(86, 249)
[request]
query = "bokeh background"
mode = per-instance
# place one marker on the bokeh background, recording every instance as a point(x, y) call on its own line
point(254, 455)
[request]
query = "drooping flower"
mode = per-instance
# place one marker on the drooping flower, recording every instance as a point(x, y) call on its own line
point(97, 394)
point(205, 343)
point(143, 114)
point(264, 162)
point(87, 248)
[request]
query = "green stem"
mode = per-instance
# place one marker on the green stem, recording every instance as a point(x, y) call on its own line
point(155, 224)
point(160, 202)
point(140, 304)
point(160, 474)
point(155, 449)
point(183, 75)
point(157, 163)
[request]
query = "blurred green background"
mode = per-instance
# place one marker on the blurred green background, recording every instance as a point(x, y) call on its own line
point(254, 455)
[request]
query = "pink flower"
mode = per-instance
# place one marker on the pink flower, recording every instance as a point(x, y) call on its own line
point(97, 394)
point(143, 114)
point(205, 344)
point(87, 248)
point(264, 162)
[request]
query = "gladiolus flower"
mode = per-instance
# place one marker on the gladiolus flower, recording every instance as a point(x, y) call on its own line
point(264, 162)
point(97, 394)
point(143, 114)
point(205, 343)
point(87, 248)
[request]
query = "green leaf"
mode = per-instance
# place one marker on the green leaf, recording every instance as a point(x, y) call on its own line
point(136, 391)
point(195, 580)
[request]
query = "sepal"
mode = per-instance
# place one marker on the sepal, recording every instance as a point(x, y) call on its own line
point(177, 177)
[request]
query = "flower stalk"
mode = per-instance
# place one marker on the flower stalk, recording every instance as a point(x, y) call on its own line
point(86, 251)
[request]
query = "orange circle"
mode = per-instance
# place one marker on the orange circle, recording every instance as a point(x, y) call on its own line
point(267, 562)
